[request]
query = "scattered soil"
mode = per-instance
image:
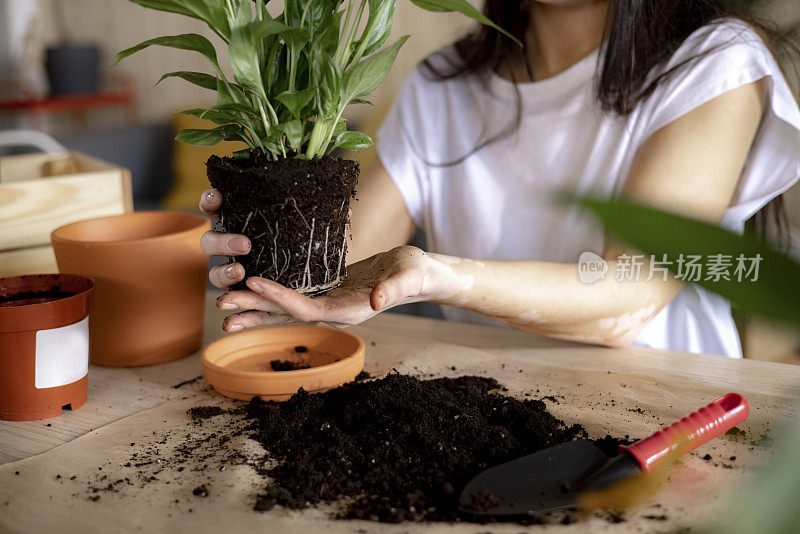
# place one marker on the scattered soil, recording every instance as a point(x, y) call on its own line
point(397, 448)
point(294, 212)
point(24, 298)
point(300, 349)
point(384, 449)
point(363, 375)
point(204, 412)
point(287, 365)
point(187, 382)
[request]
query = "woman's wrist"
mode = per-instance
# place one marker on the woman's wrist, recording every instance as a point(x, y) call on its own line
point(443, 282)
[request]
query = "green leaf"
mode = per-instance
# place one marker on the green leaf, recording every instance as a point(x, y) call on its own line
point(341, 126)
point(329, 95)
point(463, 7)
point(235, 107)
point(212, 12)
point(224, 114)
point(379, 24)
point(186, 41)
point(211, 114)
point(202, 79)
point(229, 93)
point(294, 133)
point(364, 78)
point(200, 137)
point(243, 50)
point(352, 141)
point(295, 101)
point(314, 15)
point(773, 295)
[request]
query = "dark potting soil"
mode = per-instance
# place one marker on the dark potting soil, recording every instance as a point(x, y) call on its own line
point(287, 365)
point(24, 298)
point(204, 412)
point(398, 448)
point(293, 211)
point(187, 382)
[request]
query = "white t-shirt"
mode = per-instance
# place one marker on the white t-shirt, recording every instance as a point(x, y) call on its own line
point(497, 204)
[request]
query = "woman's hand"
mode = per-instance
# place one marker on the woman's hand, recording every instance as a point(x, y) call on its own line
point(219, 244)
point(399, 276)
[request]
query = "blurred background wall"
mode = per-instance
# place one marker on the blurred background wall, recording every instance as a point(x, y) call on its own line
point(145, 123)
point(135, 134)
point(118, 24)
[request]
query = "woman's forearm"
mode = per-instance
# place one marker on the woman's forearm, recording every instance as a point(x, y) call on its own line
point(549, 298)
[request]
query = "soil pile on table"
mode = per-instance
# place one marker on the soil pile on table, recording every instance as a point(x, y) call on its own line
point(398, 448)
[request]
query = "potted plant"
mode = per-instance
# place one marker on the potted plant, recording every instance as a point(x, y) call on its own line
point(294, 74)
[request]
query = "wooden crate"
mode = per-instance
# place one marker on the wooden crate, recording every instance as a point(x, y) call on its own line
point(40, 192)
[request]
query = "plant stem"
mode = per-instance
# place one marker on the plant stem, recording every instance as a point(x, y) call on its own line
point(267, 125)
point(343, 31)
point(292, 67)
point(319, 135)
point(352, 35)
point(365, 36)
point(271, 111)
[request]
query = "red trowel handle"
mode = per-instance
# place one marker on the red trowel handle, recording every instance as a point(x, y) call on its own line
point(690, 432)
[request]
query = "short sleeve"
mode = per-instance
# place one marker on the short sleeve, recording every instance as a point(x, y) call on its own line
point(714, 60)
point(400, 157)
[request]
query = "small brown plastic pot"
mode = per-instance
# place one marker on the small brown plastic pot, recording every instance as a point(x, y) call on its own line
point(44, 345)
point(238, 366)
point(151, 278)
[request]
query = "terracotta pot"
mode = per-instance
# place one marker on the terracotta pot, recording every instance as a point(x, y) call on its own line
point(151, 279)
point(238, 366)
point(44, 345)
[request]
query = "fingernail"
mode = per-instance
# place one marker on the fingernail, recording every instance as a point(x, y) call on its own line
point(230, 272)
point(210, 195)
point(235, 328)
point(228, 306)
point(240, 244)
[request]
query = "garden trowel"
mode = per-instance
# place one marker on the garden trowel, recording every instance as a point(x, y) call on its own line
point(556, 478)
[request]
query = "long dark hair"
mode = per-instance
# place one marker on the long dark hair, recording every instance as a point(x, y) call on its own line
point(654, 29)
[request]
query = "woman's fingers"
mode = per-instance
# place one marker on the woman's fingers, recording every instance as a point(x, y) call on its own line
point(300, 307)
point(251, 318)
point(246, 300)
point(219, 244)
point(395, 289)
point(210, 201)
point(226, 275)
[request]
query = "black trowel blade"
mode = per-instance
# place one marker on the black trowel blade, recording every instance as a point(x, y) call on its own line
point(541, 482)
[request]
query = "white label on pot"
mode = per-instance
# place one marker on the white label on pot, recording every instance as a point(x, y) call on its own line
point(62, 355)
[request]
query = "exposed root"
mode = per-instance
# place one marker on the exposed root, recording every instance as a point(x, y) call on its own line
point(307, 270)
point(277, 261)
point(246, 222)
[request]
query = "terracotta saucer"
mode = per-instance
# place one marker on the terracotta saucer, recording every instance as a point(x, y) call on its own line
point(239, 366)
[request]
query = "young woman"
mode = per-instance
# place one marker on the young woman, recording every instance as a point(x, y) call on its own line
point(678, 104)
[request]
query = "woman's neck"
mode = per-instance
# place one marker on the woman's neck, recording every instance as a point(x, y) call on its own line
point(559, 36)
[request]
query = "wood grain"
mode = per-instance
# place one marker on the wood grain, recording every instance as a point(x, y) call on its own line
point(631, 391)
point(33, 260)
point(33, 204)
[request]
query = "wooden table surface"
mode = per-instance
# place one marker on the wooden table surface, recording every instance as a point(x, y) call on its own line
point(608, 390)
